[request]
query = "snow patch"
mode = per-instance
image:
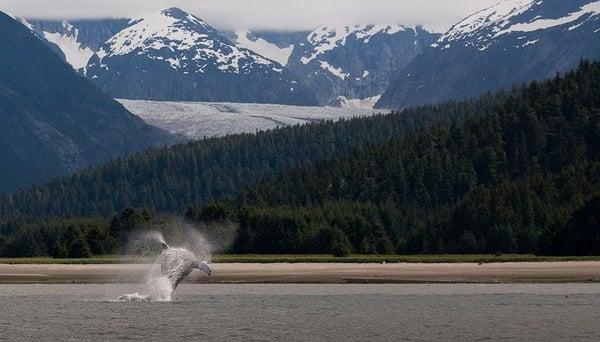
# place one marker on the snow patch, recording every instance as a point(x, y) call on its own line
point(75, 54)
point(264, 48)
point(368, 103)
point(327, 38)
point(530, 42)
point(172, 35)
point(482, 28)
point(24, 22)
point(496, 15)
point(542, 23)
point(333, 70)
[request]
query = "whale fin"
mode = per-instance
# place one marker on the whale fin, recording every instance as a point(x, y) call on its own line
point(204, 267)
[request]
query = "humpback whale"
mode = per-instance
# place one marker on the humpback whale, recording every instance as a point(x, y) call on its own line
point(177, 263)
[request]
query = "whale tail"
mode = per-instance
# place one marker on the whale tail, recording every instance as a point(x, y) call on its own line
point(204, 267)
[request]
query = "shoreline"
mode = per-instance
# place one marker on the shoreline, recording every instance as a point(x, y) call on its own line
point(317, 273)
point(313, 258)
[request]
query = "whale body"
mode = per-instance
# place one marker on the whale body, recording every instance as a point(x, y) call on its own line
point(177, 263)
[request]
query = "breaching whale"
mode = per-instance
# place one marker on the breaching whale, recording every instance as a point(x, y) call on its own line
point(177, 263)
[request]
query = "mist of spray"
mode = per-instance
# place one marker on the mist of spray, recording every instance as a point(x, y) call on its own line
point(200, 240)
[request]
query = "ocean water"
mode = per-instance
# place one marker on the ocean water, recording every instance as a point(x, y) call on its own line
point(419, 312)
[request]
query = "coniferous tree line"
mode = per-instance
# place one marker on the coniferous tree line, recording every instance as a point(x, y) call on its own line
point(173, 178)
point(514, 172)
point(523, 178)
point(73, 238)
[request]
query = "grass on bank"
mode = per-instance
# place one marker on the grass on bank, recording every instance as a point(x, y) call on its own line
point(317, 258)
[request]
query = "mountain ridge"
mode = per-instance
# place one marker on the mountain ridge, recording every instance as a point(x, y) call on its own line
point(343, 64)
point(173, 55)
point(512, 42)
point(54, 121)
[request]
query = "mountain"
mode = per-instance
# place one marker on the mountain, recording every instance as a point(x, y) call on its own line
point(343, 64)
point(55, 122)
point(518, 171)
point(77, 40)
point(175, 56)
point(508, 43)
point(347, 66)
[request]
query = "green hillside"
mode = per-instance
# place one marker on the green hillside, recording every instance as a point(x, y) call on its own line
point(506, 182)
point(515, 172)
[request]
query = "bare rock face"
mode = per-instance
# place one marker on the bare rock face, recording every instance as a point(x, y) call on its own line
point(342, 63)
point(356, 62)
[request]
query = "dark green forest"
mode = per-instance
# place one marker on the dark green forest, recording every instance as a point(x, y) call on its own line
point(511, 181)
point(173, 178)
point(517, 171)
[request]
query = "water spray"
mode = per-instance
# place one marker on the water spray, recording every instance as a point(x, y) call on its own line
point(174, 264)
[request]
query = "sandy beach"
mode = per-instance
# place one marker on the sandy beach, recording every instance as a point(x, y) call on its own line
point(511, 272)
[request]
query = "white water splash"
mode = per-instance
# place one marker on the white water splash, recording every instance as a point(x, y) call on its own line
point(159, 290)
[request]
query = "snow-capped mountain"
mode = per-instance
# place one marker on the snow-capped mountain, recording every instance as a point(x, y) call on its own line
point(355, 62)
point(511, 42)
point(522, 17)
point(345, 65)
point(349, 63)
point(173, 55)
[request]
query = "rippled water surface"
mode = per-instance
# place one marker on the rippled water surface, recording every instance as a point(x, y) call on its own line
point(453, 312)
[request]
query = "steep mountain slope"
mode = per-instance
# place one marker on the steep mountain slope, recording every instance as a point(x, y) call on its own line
point(348, 66)
point(55, 48)
point(511, 42)
point(173, 55)
point(53, 121)
point(342, 64)
point(356, 62)
point(77, 40)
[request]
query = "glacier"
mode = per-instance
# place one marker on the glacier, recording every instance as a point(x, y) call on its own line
point(197, 120)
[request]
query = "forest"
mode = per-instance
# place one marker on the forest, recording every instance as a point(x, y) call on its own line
point(517, 171)
point(171, 179)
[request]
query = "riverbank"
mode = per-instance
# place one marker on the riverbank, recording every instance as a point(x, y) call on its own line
point(318, 258)
point(507, 272)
